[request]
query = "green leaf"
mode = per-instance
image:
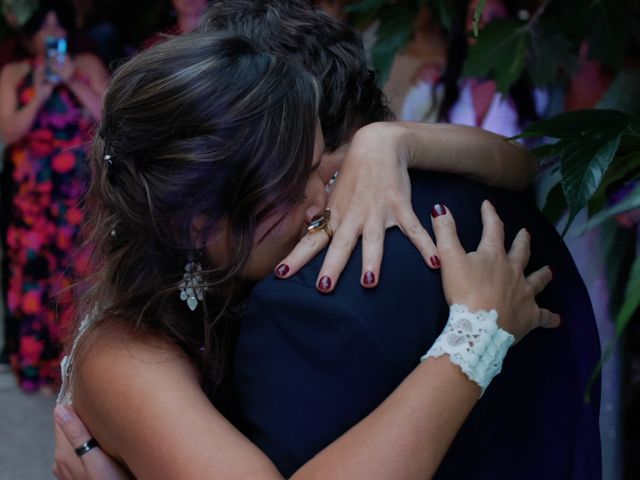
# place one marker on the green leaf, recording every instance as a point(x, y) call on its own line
point(629, 307)
point(586, 124)
point(555, 204)
point(623, 167)
point(395, 31)
point(477, 15)
point(582, 167)
point(548, 51)
point(499, 53)
point(550, 151)
point(630, 202)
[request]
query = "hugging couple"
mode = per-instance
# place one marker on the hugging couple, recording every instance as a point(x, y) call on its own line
point(235, 326)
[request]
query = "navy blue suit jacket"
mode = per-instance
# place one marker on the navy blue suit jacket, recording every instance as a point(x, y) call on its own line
point(309, 366)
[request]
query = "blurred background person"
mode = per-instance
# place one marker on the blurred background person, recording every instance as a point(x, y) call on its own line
point(48, 103)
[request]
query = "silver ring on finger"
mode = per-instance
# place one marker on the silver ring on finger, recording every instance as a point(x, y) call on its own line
point(86, 447)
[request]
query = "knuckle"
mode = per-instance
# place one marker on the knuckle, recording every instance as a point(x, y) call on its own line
point(414, 229)
point(372, 235)
point(309, 241)
point(342, 243)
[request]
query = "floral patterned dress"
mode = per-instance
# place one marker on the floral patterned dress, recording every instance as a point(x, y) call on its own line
point(49, 177)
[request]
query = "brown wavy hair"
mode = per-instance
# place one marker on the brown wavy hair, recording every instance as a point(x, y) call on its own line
point(325, 46)
point(200, 126)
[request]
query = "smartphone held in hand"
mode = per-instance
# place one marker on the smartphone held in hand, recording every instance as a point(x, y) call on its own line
point(56, 55)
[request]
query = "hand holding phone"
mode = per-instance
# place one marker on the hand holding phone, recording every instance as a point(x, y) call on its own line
point(56, 58)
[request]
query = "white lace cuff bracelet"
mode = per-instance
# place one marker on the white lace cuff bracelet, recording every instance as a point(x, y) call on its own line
point(474, 342)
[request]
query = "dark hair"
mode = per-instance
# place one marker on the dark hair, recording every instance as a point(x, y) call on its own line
point(200, 126)
point(326, 47)
point(62, 8)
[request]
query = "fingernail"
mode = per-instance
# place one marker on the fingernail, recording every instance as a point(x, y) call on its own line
point(282, 270)
point(324, 285)
point(369, 279)
point(61, 414)
point(560, 321)
point(438, 210)
point(435, 261)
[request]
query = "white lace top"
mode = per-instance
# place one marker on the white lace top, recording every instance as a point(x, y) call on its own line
point(65, 396)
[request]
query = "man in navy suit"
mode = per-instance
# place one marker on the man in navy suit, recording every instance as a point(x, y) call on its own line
point(309, 366)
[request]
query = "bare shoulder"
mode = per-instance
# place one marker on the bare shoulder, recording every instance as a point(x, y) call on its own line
point(117, 375)
point(141, 398)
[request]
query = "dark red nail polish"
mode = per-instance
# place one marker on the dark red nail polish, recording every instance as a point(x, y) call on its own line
point(369, 279)
point(282, 270)
point(324, 285)
point(438, 210)
point(435, 261)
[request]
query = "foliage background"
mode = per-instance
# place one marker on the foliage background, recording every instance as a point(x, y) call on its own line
point(589, 155)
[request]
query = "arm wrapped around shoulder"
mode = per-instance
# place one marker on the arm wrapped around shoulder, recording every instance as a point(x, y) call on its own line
point(474, 342)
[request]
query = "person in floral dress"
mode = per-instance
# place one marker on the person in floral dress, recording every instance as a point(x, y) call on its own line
point(47, 110)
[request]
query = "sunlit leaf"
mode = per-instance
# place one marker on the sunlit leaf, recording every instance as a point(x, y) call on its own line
point(582, 168)
point(499, 53)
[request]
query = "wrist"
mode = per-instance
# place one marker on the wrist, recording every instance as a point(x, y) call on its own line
point(394, 137)
point(474, 342)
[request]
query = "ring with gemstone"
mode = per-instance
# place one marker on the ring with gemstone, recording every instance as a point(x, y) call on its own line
point(320, 223)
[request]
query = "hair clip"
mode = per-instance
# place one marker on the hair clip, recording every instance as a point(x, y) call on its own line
point(107, 158)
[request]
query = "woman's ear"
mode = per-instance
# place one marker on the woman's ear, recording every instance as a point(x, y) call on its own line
point(198, 231)
point(212, 239)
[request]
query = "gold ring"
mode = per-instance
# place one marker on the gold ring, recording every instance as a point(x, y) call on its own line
point(320, 223)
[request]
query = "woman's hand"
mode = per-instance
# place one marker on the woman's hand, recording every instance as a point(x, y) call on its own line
point(491, 278)
point(70, 432)
point(66, 70)
point(373, 191)
point(371, 194)
point(43, 87)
